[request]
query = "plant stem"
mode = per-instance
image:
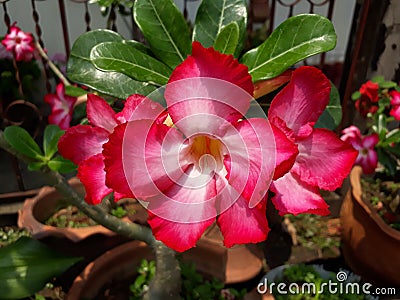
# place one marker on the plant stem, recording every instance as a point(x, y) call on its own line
point(52, 66)
point(166, 282)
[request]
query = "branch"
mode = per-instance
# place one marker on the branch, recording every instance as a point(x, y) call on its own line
point(166, 282)
point(52, 66)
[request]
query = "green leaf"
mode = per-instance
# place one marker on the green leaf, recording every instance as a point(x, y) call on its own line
point(294, 40)
point(122, 58)
point(213, 15)
point(227, 39)
point(165, 29)
point(392, 137)
point(387, 160)
point(74, 91)
point(139, 46)
point(62, 165)
point(20, 140)
point(52, 134)
point(34, 166)
point(81, 70)
point(27, 265)
point(332, 115)
point(356, 95)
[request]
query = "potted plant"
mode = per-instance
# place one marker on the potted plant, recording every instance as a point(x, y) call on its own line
point(190, 141)
point(370, 212)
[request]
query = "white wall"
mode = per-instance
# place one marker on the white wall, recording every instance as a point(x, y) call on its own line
point(19, 10)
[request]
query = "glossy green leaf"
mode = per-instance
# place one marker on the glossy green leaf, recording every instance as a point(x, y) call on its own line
point(227, 39)
point(75, 91)
point(122, 58)
point(81, 70)
point(20, 140)
point(27, 265)
point(165, 29)
point(62, 165)
point(52, 134)
point(332, 115)
point(213, 15)
point(294, 40)
point(139, 46)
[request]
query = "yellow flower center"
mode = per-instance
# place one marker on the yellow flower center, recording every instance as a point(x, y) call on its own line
point(207, 152)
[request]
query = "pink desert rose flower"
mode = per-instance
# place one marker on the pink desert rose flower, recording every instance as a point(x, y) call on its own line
point(19, 43)
point(210, 165)
point(367, 157)
point(395, 103)
point(61, 107)
point(323, 160)
point(82, 144)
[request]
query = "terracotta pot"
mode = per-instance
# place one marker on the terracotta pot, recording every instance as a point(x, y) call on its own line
point(117, 264)
point(88, 242)
point(230, 265)
point(371, 247)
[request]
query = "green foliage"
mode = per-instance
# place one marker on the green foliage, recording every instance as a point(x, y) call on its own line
point(311, 231)
point(165, 30)
point(10, 235)
point(21, 141)
point(146, 272)
point(52, 134)
point(194, 286)
point(214, 16)
point(125, 59)
point(332, 115)
point(227, 39)
point(81, 70)
point(307, 274)
point(119, 212)
point(294, 40)
point(27, 265)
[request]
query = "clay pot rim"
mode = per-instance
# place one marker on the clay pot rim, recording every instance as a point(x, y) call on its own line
point(39, 230)
point(356, 192)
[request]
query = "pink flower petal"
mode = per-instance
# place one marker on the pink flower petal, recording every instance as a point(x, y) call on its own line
point(292, 196)
point(61, 119)
point(324, 160)
point(240, 224)
point(179, 215)
point(177, 236)
point(91, 174)
point(206, 90)
point(140, 151)
point(251, 149)
point(370, 141)
point(100, 113)
point(286, 152)
point(303, 100)
point(138, 107)
point(82, 141)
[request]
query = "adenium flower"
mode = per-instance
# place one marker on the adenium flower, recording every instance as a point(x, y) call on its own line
point(367, 157)
point(368, 101)
point(61, 107)
point(323, 160)
point(210, 165)
point(82, 144)
point(395, 103)
point(20, 43)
